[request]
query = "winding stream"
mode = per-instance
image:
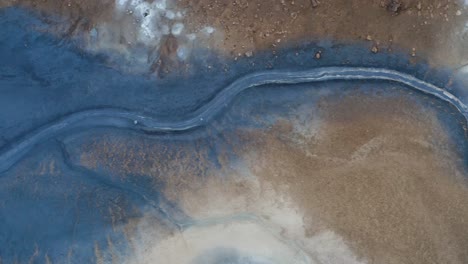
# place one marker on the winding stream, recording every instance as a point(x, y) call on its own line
point(118, 118)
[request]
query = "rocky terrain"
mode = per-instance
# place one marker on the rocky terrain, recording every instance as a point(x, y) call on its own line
point(429, 29)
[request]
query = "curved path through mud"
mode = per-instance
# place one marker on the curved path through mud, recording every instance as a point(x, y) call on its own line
point(118, 118)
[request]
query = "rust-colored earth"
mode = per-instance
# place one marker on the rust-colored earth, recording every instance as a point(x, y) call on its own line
point(431, 29)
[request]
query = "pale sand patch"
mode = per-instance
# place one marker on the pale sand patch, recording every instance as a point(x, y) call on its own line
point(382, 175)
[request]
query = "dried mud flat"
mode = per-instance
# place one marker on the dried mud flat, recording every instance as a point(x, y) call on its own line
point(429, 29)
point(382, 173)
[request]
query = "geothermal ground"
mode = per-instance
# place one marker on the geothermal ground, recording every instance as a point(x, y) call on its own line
point(208, 132)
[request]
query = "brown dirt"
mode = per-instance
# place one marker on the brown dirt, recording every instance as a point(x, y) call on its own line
point(427, 28)
point(380, 172)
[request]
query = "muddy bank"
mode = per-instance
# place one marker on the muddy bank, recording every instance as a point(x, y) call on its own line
point(377, 166)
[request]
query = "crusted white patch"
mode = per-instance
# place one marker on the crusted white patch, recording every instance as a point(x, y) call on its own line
point(121, 4)
point(191, 36)
point(238, 219)
point(208, 30)
point(165, 29)
point(268, 228)
point(138, 30)
point(223, 241)
point(177, 29)
point(169, 14)
point(182, 52)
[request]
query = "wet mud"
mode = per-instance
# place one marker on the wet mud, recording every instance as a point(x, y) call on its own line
point(338, 171)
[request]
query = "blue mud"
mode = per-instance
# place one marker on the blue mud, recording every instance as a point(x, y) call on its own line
point(69, 212)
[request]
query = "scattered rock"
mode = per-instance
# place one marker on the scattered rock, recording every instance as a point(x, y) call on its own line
point(375, 49)
point(265, 26)
point(318, 55)
point(394, 6)
point(314, 3)
point(249, 54)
